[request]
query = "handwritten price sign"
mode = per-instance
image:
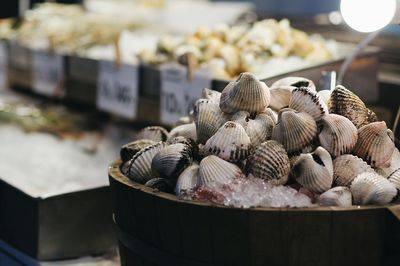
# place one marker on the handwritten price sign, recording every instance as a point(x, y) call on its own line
point(178, 93)
point(117, 89)
point(48, 73)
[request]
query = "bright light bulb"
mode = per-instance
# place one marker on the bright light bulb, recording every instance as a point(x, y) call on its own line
point(368, 15)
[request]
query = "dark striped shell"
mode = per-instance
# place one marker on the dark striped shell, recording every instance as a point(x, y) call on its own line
point(129, 150)
point(154, 133)
point(270, 162)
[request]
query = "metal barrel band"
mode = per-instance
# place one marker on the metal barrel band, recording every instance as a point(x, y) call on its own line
point(155, 255)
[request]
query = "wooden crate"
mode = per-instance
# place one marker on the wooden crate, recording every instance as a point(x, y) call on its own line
point(156, 228)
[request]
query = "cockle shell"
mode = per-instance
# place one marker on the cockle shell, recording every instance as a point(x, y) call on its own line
point(258, 129)
point(247, 93)
point(391, 165)
point(338, 134)
point(211, 95)
point(186, 130)
point(314, 171)
point(395, 178)
point(154, 133)
point(184, 120)
point(188, 179)
point(337, 196)
point(324, 95)
point(140, 167)
point(170, 161)
point(371, 116)
point(294, 130)
point(371, 188)
point(125, 167)
point(208, 119)
point(305, 100)
point(280, 97)
point(344, 102)
point(161, 184)
point(294, 82)
point(375, 144)
point(270, 162)
point(230, 143)
point(215, 169)
point(129, 150)
point(273, 114)
point(347, 167)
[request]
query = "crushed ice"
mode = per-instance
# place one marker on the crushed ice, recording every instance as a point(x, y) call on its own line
point(250, 192)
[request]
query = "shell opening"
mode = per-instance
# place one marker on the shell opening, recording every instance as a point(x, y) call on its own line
point(317, 159)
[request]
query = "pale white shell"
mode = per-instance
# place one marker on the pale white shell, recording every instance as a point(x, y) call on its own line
point(258, 129)
point(305, 100)
point(247, 93)
point(324, 95)
point(371, 188)
point(314, 171)
point(395, 178)
point(230, 143)
point(140, 167)
point(215, 169)
point(338, 135)
point(211, 95)
point(208, 119)
point(375, 144)
point(294, 130)
point(391, 165)
point(188, 179)
point(295, 82)
point(337, 196)
point(186, 130)
point(346, 167)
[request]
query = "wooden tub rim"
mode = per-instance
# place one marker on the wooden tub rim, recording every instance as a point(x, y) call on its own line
point(114, 172)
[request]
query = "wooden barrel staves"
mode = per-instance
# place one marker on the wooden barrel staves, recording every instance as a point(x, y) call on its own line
point(156, 228)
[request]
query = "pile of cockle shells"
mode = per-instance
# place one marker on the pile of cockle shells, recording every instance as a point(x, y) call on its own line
point(227, 51)
point(328, 143)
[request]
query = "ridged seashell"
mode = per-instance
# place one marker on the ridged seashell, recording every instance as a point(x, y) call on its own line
point(280, 97)
point(211, 95)
point(230, 143)
point(161, 184)
point(346, 167)
point(324, 95)
point(187, 131)
point(295, 82)
point(371, 188)
point(125, 167)
point(338, 134)
point(273, 114)
point(294, 130)
point(170, 161)
point(188, 179)
point(258, 129)
point(375, 144)
point(270, 162)
point(371, 116)
point(305, 100)
point(395, 178)
point(190, 142)
point(314, 171)
point(391, 165)
point(140, 167)
point(344, 102)
point(247, 93)
point(215, 169)
point(154, 133)
point(129, 150)
point(337, 196)
point(208, 119)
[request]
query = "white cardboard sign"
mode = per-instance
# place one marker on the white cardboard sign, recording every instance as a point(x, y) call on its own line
point(179, 93)
point(117, 89)
point(48, 73)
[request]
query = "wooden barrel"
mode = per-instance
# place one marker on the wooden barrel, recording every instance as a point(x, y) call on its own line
point(156, 228)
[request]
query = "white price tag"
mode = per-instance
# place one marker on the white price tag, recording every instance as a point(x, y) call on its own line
point(178, 93)
point(48, 73)
point(3, 65)
point(117, 89)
